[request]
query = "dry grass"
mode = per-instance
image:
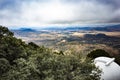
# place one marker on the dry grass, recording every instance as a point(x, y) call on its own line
point(80, 34)
point(116, 34)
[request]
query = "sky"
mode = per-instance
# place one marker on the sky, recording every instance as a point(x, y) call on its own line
point(58, 12)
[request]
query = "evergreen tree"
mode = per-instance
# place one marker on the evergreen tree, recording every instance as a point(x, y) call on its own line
point(20, 61)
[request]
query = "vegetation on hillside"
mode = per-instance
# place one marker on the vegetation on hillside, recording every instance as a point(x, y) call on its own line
point(102, 53)
point(98, 53)
point(21, 61)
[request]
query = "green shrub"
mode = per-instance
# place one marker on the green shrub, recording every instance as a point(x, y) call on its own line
point(98, 53)
point(20, 61)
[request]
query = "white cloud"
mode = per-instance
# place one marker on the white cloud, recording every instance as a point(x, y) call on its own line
point(37, 13)
point(47, 12)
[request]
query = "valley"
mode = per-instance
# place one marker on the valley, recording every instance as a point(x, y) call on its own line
point(72, 39)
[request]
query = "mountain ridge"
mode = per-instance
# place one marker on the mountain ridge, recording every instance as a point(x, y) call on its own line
point(75, 28)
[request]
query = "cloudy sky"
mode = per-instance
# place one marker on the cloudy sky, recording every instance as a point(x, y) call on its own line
point(58, 12)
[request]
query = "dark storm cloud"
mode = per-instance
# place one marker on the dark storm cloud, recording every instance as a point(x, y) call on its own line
point(8, 4)
point(115, 3)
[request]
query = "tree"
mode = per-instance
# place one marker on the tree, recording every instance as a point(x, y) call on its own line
point(117, 59)
point(33, 45)
point(11, 48)
point(98, 53)
point(20, 61)
point(4, 65)
point(5, 32)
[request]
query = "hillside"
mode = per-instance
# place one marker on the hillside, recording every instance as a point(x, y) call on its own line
point(108, 28)
point(21, 61)
point(86, 28)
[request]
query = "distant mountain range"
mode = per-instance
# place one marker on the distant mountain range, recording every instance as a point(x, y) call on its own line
point(100, 28)
point(73, 28)
point(108, 28)
point(27, 30)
